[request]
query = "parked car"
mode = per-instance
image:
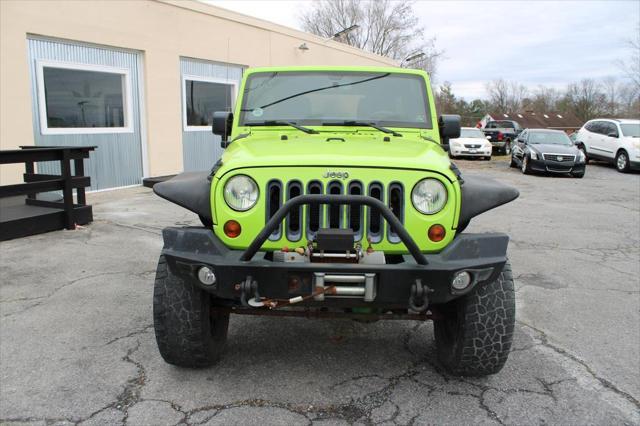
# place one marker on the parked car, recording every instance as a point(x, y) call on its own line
point(501, 133)
point(544, 150)
point(347, 212)
point(615, 141)
point(471, 143)
point(574, 137)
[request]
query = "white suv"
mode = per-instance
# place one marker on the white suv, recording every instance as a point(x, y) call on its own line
point(613, 140)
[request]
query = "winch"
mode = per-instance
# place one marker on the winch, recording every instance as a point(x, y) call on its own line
point(332, 245)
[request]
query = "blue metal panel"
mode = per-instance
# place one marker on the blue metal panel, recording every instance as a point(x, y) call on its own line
point(117, 161)
point(201, 149)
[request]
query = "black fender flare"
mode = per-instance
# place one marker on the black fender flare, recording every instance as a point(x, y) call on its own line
point(480, 194)
point(191, 190)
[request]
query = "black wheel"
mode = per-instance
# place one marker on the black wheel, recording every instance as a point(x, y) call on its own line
point(474, 337)
point(507, 148)
point(190, 332)
point(512, 162)
point(578, 175)
point(622, 161)
point(584, 151)
point(206, 222)
point(525, 165)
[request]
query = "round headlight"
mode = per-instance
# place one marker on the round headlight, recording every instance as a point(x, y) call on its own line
point(429, 196)
point(241, 193)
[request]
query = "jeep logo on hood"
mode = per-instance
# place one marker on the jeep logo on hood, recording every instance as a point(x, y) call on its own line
point(335, 175)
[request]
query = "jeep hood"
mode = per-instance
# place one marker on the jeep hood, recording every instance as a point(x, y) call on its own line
point(332, 150)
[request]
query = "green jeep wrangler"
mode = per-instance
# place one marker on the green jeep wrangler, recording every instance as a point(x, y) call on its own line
point(334, 199)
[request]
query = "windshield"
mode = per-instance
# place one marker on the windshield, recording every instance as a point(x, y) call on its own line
point(549, 138)
point(471, 133)
point(333, 97)
point(630, 129)
point(500, 125)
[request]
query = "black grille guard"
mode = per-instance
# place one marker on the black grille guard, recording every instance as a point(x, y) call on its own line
point(313, 199)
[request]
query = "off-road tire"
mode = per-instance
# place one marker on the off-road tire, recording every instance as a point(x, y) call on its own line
point(474, 337)
point(190, 331)
point(206, 222)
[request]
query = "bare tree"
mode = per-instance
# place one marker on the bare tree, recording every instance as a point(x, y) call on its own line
point(388, 28)
point(631, 66)
point(543, 99)
point(611, 95)
point(629, 100)
point(506, 96)
point(585, 99)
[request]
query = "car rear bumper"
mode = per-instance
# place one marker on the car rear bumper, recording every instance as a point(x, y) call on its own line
point(389, 286)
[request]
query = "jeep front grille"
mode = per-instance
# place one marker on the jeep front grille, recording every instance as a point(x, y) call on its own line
point(306, 221)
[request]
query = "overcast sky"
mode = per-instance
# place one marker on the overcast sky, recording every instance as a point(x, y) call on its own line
point(532, 42)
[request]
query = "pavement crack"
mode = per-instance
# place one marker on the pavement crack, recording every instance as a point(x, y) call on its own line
point(52, 293)
point(138, 227)
point(606, 384)
point(133, 333)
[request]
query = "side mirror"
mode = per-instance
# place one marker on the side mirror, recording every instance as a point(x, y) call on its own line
point(449, 126)
point(222, 123)
point(488, 137)
point(613, 135)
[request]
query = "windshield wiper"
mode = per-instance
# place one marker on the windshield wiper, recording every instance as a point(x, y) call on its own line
point(427, 138)
point(284, 123)
point(364, 124)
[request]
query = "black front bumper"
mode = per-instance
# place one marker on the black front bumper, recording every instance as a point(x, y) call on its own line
point(549, 166)
point(189, 249)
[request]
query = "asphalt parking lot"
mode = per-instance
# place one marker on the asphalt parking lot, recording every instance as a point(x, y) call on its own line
point(77, 342)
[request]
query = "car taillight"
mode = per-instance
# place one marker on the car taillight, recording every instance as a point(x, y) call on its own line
point(500, 136)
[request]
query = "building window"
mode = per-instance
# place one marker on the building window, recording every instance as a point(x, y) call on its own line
point(202, 97)
point(78, 98)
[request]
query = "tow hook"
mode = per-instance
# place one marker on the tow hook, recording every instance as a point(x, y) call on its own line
point(249, 293)
point(419, 299)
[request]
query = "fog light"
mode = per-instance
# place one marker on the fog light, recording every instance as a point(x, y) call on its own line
point(232, 229)
point(206, 275)
point(436, 233)
point(461, 280)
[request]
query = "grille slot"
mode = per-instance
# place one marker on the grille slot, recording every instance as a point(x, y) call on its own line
point(294, 228)
point(355, 212)
point(396, 204)
point(375, 230)
point(274, 202)
point(335, 211)
point(314, 216)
